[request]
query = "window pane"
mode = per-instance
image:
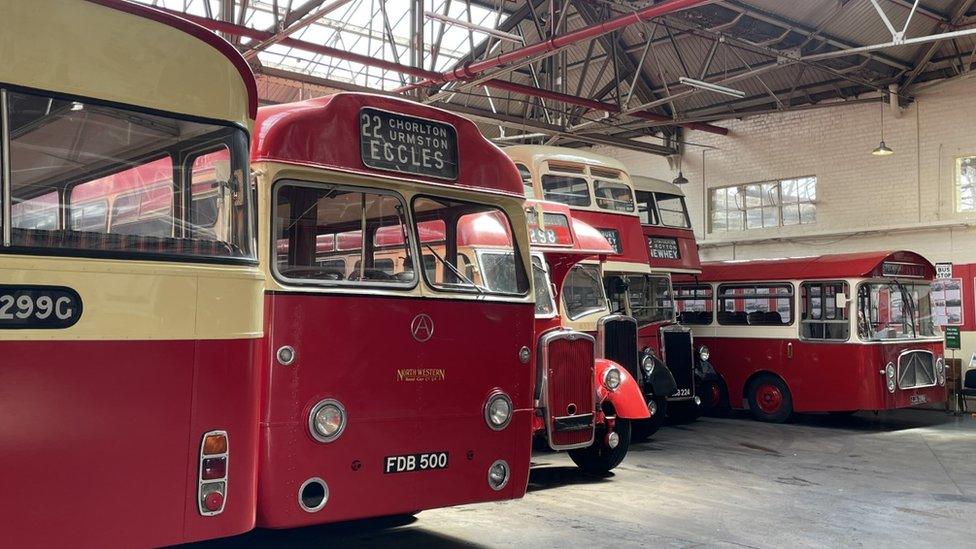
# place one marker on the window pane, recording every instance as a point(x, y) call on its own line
point(790, 192)
point(966, 184)
point(673, 210)
point(650, 298)
point(808, 213)
point(612, 196)
point(543, 296)
point(820, 317)
point(573, 191)
point(693, 304)
point(645, 207)
point(583, 291)
point(470, 228)
point(113, 170)
point(754, 196)
point(754, 218)
point(759, 305)
point(791, 214)
point(308, 220)
point(526, 181)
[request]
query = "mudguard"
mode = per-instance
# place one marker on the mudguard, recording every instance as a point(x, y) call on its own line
point(658, 378)
point(626, 399)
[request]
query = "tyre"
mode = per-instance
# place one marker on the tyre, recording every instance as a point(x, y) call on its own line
point(643, 429)
point(715, 398)
point(770, 399)
point(684, 412)
point(599, 458)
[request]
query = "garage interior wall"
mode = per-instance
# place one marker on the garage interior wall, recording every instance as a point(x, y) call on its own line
point(864, 202)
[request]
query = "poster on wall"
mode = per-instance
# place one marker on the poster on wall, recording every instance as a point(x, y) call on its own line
point(947, 301)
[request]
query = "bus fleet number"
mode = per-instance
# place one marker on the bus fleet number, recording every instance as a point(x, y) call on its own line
point(38, 307)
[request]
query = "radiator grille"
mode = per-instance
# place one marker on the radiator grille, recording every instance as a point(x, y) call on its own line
point(679, 357)
point(916, 369)
point(620, 344)
point(569, 391)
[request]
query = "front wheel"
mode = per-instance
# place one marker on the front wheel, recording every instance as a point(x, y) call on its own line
point(645, 428)
point(770, 399)
point(600, 458)
point(715, 398)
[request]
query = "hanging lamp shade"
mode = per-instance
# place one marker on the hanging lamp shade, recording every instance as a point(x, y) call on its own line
point(882, 150)
point(681, 179)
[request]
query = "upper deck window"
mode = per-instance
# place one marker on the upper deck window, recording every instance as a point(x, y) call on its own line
point(91, 179)
point(755, 304)
point(613, 195)
point(583, 292)
point(693, 303)
point(526, 175)
point(572, 191)
point(305, 213)
point(672, 210)
point(465, 225)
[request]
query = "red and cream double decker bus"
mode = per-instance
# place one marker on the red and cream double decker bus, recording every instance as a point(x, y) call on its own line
point(130, 297)
point(394, 380)
point(583, 404)
point(832, 333)
point(656, 349)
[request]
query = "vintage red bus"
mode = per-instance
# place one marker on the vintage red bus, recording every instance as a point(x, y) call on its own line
point(832, 333)
point(599, 192)
point(583, 404)
point(374, 402)
point(130, 297)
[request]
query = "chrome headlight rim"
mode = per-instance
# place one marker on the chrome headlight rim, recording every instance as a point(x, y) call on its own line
point(940, 370)
point(890, 376)
point(704, 353)
point(508, 475)
point(496, 397)
point(319, 406)
point(612, 378)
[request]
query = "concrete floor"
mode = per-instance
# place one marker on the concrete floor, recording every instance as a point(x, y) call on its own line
point(900, 479)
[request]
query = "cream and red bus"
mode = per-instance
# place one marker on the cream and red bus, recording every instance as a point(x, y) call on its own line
point(599, 192)
point(833, 333)
point(130, 297)
point(393, 380)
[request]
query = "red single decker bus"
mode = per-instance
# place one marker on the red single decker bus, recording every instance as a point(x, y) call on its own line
point(395, 379)
point(832, 333)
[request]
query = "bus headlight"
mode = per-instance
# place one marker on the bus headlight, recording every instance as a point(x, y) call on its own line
point(940, 370)
point(890, 376)
point(327, 420)
point(498, 411)
point(647, 361)
point(703, 353)
point(611, 379)
point(498, 475)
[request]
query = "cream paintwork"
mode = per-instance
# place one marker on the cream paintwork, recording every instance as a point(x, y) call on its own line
point(269, 172)
point(652, 184)
point(67, 46)
point(535, 157)
point(144, 300)
point(627, 268)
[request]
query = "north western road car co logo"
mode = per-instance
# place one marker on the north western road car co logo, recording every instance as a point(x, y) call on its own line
point(420, 374)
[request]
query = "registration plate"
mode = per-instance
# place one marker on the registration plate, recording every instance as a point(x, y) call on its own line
point(918, 399)
point(415, 462)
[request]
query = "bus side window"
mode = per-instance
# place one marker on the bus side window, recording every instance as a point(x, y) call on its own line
point(645, 207)
point(820, 318)
point(694, 304)
point(755, 304)
point(526, 180)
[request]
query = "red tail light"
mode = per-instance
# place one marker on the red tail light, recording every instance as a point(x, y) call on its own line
point(212, 476)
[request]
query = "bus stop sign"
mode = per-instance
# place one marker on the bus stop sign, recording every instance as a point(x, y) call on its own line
point(952, 338)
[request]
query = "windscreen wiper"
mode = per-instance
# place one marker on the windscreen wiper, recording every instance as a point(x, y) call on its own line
point(907, 306)
point(455, 270)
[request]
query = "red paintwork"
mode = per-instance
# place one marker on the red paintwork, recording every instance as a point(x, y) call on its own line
point(769, 398)
point(100, 439)
point(687, 248)
point(577, 237)
point(199, 32)
point(851, 265)
point(324, 132)
point(821, 377)
point(350, 348)
point(627, 400)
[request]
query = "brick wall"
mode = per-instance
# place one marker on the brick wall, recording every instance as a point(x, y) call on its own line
point(864, 202)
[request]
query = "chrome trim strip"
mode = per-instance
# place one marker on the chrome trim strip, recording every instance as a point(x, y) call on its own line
point(311, 420)
point(325, 499)
point(5, 163)
point(544, 342)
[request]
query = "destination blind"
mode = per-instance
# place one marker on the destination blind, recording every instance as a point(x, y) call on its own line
point(407, 144)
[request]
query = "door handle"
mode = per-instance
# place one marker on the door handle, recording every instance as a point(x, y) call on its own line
point(789, 350)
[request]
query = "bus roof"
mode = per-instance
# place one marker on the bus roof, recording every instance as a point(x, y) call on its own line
point(325, 132)
point(533, 154)
point(655, 185)
point(175, 66)
point(835, 266)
